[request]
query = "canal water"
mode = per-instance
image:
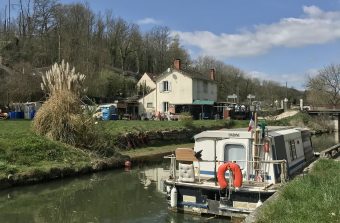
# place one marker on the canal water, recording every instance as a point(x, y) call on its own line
point(114, 196)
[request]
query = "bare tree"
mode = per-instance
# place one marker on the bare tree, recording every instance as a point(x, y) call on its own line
point(326, 84)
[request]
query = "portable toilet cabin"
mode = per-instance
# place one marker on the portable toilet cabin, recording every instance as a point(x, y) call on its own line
point(30, 109)
point(16, 111)
point(109, 112)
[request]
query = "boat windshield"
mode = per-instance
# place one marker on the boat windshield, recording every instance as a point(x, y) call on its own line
point(235, 152)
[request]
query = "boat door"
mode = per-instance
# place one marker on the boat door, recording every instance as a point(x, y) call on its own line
point(235, 152)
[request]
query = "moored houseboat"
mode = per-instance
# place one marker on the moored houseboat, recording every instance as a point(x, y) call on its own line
point(230, 172)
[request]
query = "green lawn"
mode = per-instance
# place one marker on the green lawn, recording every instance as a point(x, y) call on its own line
point(311, 198)
point(21, 151)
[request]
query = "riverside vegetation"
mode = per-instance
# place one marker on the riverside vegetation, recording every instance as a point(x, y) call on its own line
point(23, 152)
point(309, 198)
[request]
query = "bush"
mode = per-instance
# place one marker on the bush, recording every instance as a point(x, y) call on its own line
point(186, 119)
point(61, 117)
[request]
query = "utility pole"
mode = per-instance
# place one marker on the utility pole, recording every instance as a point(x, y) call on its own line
point(59, 47)
point(5, 18)
point(9, 15)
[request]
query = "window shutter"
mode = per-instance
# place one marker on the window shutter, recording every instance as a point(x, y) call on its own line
point(169, 86)
point(160, 87)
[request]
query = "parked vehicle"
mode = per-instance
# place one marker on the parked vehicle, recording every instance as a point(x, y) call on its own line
point(106, 112)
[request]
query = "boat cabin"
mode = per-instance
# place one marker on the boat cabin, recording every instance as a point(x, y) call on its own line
point(229, 171)
point(237, 145)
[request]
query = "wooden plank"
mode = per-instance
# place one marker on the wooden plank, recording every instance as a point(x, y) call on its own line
point(185, 154)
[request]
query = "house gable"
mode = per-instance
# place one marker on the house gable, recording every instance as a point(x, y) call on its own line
point(146, 80)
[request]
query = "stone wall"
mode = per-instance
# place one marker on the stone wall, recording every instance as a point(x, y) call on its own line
point(134, 140)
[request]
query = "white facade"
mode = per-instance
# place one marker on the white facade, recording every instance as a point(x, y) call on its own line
point(146, 81)
point(147, 104)
point(176, 88)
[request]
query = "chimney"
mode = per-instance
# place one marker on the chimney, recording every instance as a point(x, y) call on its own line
point(212, 74)
point(177, 64)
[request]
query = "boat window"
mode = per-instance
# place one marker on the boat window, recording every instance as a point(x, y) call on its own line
point(235, 152)
point(292, 148)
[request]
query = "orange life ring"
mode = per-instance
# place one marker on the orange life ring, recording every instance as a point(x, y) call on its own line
point(237, 174)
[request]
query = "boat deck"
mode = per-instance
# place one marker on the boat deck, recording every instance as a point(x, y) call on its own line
point(210, 184)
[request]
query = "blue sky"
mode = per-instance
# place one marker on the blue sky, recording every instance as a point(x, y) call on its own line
point(281, 40)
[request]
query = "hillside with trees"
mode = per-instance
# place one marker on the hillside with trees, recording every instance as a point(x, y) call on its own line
point(110, 51)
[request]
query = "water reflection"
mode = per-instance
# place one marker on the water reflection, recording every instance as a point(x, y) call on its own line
point(115, 196)
point(324, 141)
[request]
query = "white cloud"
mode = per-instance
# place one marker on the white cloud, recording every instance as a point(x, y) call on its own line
point(313, 27)
point(298, 81)
point(148, 21)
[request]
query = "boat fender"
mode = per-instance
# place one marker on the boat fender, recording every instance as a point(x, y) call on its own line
point(266, 147)
point(168, 189)
point(173, 197)
point(236, 171)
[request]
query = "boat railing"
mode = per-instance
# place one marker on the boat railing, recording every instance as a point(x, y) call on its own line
point(282, 163)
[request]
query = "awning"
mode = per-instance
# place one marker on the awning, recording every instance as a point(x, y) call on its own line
point(203, 102)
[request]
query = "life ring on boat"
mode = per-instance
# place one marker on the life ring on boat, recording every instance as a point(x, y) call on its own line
point(237, 174)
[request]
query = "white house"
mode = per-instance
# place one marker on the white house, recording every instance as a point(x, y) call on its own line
point(178, 90)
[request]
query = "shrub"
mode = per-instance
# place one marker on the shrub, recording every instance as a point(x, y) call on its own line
point(186, 119)
point(61, 117)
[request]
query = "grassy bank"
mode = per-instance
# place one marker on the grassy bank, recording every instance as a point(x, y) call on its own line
point(156, 149)
point(123, 126)
point(23, 152)
point(318, 123)
point(314, 197)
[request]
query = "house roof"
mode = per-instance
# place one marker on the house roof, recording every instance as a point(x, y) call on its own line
point(152, 76)
point(189, 73)
point(203, 102)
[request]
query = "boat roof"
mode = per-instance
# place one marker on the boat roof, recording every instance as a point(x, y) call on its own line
point(241, 133)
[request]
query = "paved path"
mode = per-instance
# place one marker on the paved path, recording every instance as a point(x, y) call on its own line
point(283, 115)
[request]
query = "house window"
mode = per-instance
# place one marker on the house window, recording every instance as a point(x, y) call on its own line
point(165, 106)
point(149, 105)
point(292, 148)
point(165, 86)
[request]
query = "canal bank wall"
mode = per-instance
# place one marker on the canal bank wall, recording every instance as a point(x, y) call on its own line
point(35, 176)
point(135, 140)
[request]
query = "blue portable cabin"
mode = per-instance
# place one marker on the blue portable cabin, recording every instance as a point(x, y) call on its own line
point(30, 109)
point(108, 112)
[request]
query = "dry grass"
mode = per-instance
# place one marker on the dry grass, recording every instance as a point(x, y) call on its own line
point(61, 119)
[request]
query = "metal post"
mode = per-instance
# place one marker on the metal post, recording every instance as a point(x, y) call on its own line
point(9, 15)
point(215, 162)
point(338, 128)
